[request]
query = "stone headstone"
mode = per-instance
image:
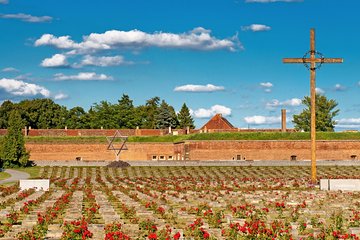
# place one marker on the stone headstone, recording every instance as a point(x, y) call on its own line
point(38, 184)
point(340, 184)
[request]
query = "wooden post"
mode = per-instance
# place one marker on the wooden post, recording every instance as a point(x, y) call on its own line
point(313, 105)
point(283, 120)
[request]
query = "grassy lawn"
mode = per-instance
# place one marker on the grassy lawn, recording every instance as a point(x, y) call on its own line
point(204, 136)
point(4, 175)
point(33, 171)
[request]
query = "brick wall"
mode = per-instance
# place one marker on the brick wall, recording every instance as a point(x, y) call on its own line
point(96, 152)
point(200, 150)
point(273, 150)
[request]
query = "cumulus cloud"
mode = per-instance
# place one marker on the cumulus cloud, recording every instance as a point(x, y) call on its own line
point(103, 61)
point(207, 113)
point(319, 91)
point(294, 102)
point(4, 1)
point(9, 69)
point(339, 88)
point(256, 28)
point(83, 76)
point(348, 123)
point(266, 86)
point(262, 120)
point(27, 18)
point(21, 88)
point(60, 96)
point(199, 88)
point(271, 1)
point(56, 61)
point(198, 39)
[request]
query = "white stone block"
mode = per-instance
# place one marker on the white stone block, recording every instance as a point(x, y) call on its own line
point(38, 184)
point(324, 184)
point(340, 184)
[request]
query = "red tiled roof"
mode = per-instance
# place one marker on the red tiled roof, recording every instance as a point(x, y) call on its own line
point(218, 122)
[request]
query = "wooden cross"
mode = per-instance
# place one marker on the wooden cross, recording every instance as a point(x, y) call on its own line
point(312, 63)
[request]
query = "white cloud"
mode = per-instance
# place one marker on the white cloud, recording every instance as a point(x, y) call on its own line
point(83, 76)
point(57, 60)
point(262, 120)
point(27, 18)
point(199, 88)
point(103, 61)
point(4, 1)
point(63, 42)
point(206, 113)
point(256, 28)
point(271, 1)
point(9, 69)
point(267, 90)
point(294, 102)
point(60, 96)
point(266, 84)
point(199, 39)
point(339, 88)
point(319, 91)
point(21, 88)
point(348, 123)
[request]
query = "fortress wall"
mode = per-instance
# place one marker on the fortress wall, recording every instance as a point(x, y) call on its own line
point(96, 152)
point(199, 150)
point(273, 150)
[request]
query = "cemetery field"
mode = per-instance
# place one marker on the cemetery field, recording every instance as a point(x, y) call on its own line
point(245, 202)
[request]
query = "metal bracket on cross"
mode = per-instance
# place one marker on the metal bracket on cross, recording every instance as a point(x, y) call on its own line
point(117, 143)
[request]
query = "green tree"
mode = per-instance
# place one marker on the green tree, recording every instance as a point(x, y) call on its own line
point(184, 117)
point(103, 114)
point(166, 116)
point(147, 113)
point(42, 113)
point(325, 113)
point(77, 118)
point(13, 153)
point(5, 109)
point(126, 113)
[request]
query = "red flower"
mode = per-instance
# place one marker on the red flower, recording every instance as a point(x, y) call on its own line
point(177, 235)
point(152, 236)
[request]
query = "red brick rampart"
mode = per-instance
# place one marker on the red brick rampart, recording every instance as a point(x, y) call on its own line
point(200, 150)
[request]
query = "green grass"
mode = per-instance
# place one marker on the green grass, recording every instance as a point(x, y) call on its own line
point(203, 136)
point(4, 175)
point(33, 171)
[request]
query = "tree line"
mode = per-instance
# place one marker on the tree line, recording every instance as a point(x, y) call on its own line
point(46, 114)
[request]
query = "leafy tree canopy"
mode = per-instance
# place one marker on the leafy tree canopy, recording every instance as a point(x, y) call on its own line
point(325, 113)
point(45, 113)
point(13, 152)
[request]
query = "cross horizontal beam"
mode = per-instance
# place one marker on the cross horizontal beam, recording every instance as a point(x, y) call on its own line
point(313, 60)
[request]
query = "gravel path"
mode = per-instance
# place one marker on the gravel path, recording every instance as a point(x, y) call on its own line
point(15, 176)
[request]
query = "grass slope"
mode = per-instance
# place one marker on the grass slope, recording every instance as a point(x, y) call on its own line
point(204, 136)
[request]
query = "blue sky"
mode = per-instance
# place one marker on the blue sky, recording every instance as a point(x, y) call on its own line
point(216, 56)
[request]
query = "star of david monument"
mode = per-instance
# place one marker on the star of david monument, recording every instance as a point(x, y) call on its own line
point(313, 61)
point(117, 143)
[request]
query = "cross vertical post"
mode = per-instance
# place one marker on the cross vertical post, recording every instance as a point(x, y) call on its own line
point(313, 105)
point(313, 60)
